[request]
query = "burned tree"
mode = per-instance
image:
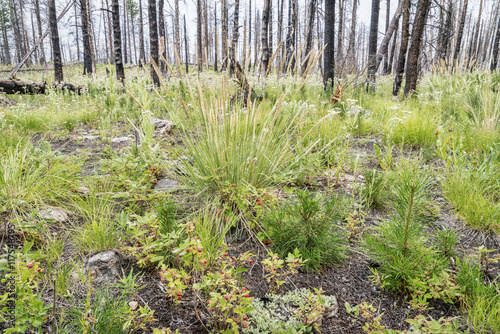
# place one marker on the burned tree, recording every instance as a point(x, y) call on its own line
point(117, 36)
point(329, 41)
point(416, 41)
point(56, 48)
point(372, 46)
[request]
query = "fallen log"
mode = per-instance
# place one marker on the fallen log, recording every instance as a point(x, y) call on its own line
point(31, 88)
point(21, 87)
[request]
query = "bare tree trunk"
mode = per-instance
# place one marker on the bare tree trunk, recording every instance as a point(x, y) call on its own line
point(25, 39)
point(351, 52)
point(17, 32)
point(264, 36)
point(393, 50)
point(125, 54)
point(416, 40)
point(257, 28)
point(132, 14)
point(310, 26)
point(56, 49)
point(110, 34)
point(39, 24)
point(186, 46)
point(329, 53)
point(460, 31)
point(153, 37)
point(400, 67)
point(236, 35)
point(270, 25)
point(291, 35)
point(6, 43)
point(77, 36)
point(447, 33)
point(117, 40)
point(199, 48)
point(216, 46)
point(250, 34)
point(496, 45)
point(224, 36)
point(205, 31)
point(386, 55)
point(142, 51)
point(384, 45)
point(280, 28)
point(340, 41)
point(177, 28)
point(372, 46)
point(127, 12)
point(87, 59)
point(477, 29)
point(161, 30)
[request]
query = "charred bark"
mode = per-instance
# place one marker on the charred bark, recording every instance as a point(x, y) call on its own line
point(400, 67)
point(416, 41)
point(56, 48)
point(117, 37)
point(264, 36)
point(372, 46)
point(310, 26)
point(153, 36)
point(329, 53)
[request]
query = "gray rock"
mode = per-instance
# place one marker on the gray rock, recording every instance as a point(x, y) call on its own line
point(83, 190)
point(120, 140)
point(161, 125)
point(166, 185)
point(105, 266)
point(86, 137)
point(58, 215)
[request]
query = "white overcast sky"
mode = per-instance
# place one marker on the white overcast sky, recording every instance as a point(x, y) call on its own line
point(188, 7)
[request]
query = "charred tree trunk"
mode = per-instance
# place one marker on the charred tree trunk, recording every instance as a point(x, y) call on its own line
point(416, 40)
point(249, 35)
point(386, 54)
point(125, 53)
point(39, 25)
point(256, 46)
point(270, 26)
point(216, 41)
point(496, 45)
point(280, 28)
point(161, 30)
point(352, 36)
point(224, 36)
point(393, 50)
point(177, 28)
point(291, 35)
point(264, 36)
point(76, 32)
point(460, 31)
point(117, 40)
point(310, 26)
point(56, 48)
point(329, 53)
point(400, 67)
point(372, 46)
point(199, 48)
point(205, 31)
point(447, 32)
point(236, 35)
point(340, 41)
point(87, 59)
point(110, 29)
point(142, 51)
point(153, 36)
point(477, 30)
point(186, 46)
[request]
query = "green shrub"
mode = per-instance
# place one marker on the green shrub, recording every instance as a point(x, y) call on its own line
point(309, 223)
point(399, 244)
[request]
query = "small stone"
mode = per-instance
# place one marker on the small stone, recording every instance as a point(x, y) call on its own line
point(161, 125)
point(133, 305)
point(54, 214)
point(166, 185)
point(86, 137)
point(120, 140)
point(83, 190)
point(105, 265)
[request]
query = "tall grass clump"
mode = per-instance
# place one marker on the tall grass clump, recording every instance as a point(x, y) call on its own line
point(472, 186)
point(31, 175)
point(399, 245)
point(243, 146)
point(481, 300)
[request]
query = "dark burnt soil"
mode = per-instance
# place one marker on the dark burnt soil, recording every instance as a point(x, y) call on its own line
point(349, 282)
